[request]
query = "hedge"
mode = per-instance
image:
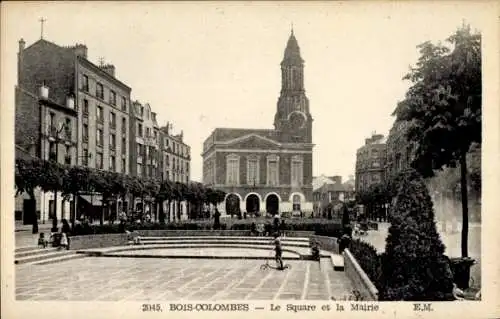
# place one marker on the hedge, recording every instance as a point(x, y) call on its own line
point(323, 229)
point(368, 259)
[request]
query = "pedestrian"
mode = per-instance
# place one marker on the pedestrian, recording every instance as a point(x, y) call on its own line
point(64, 241)
point(216, 219)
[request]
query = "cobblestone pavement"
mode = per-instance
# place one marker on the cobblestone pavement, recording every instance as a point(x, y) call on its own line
point(138, 279)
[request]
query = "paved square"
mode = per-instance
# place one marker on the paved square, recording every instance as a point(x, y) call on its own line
point(158, 279)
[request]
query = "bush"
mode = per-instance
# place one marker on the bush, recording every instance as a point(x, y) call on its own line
point(324, 228)
point(368, 259)
point(414, 267)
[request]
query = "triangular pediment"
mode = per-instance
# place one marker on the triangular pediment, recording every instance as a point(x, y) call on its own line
point(252, 141)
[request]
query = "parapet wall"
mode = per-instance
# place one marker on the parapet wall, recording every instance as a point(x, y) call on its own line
point(358, 277)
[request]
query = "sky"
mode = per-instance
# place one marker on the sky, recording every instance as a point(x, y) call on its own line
point(206, 65)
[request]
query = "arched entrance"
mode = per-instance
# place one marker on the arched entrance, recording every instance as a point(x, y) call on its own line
point(272, 204)
point(296, 203)
point(232, 204)
point(252, 204)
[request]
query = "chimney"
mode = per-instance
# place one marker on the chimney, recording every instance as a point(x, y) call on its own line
point(70, 102)
point(22, 45)
point(44, 92)
point(80, 50)
point(109, 69)
point(20, 54)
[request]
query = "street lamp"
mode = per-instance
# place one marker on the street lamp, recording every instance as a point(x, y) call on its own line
point(73, 216)
point(57, 140)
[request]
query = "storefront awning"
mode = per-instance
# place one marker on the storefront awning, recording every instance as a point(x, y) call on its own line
point(95, 200)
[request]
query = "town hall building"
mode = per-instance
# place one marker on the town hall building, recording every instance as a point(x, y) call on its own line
point(266, 171)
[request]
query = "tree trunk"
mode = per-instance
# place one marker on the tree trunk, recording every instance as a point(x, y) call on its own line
point(73, 215)
point(103, 208)
point(32, 212)
point(161, 214)
point(465, 205)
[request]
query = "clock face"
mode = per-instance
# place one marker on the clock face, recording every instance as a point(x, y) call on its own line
point(297, 120)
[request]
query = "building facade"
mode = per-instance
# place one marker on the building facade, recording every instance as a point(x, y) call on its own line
point(267, 170)
point(47, 130)
point(370, 163)
point(399, 151)
point(61, 91)
point(176, 156)
point(145, 146)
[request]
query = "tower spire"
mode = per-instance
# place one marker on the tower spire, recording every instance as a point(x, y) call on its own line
point(42, 21)
point(292, 27)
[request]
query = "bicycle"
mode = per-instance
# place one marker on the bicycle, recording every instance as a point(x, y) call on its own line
point(267, 266)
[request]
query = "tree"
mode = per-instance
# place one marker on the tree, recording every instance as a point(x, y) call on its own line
point(444, 102)
point(414, 267)
point(27, 179)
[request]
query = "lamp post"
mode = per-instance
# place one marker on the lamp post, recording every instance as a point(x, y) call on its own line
point(73, 217)
point(57, 141)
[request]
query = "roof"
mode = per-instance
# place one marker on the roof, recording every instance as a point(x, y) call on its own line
point(226, 134)
point(337, 187)
point(292, 51)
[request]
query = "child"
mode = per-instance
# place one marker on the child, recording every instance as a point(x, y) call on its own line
point(278, 251)
point(42, 241)
point(64, 241)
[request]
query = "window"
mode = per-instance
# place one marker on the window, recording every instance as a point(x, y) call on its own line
point(232, 169)
point(99, 91)
point(67, 156)
point(99, 117)
point(98, 160)
point(51, 122)
point(112, 97)
point(375, 164)
point(112, 163)
point(85, 132)
point(112, 141)
point(85, 157)
point(124, 125)
point(273, 170)
point(99, 137)
point(112, 120)
point(139, 129)
point(139, 169)
point(142, 111)
point(85, 107)
point(85, 83)
point(148, 132)
point(124, 104)
point(139, 149)
point(124, 145)
point(252, 171)
point(52, 151)
point(67, 128)
point(124, 165)
point(297, 171)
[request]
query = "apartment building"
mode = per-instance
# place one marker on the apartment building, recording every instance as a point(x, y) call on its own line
point(145, 144)
point(176, 156)
point(370, 162)
point(47, 130)
point(64, 80)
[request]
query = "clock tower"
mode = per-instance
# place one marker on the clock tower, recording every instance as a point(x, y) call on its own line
point(292, 118)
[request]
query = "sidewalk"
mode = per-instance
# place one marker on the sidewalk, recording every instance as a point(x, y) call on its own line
point(20, 227)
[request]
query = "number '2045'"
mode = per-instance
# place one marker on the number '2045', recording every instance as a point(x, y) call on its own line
point(151, 307)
